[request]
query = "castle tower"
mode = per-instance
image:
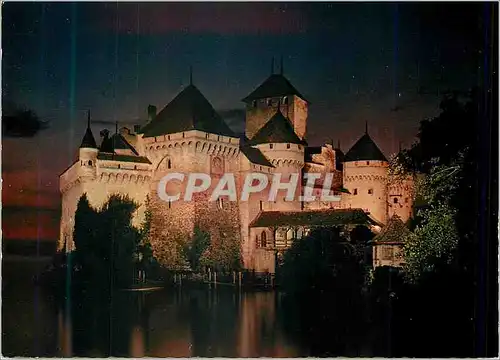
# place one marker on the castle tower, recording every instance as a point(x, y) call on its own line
point(275, 92)
point(400, 198)
point(279, 143)
point(88, 154)
point(365, 176)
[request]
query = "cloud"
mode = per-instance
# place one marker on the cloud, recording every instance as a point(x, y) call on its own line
point(217, 18)
point(234, 118)
point(20, 122)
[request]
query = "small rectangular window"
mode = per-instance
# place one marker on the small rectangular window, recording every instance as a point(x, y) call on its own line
point(355, 192)
point(395, 200)
point(370, 191)
point(288, 146)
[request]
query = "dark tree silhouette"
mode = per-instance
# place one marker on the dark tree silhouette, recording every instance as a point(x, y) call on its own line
point(194, 249)
point(21, 122)
point(452, 141)
point(106, 242)
point(322, 276)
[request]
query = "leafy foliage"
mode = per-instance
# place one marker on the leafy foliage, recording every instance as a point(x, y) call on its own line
point(433, 241)
point(322, 261)
point(445, 185)
point(224, 252)
point(107, 245)
point(194, 249)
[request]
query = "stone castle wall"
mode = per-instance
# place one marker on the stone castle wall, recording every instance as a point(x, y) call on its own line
point(367, 183)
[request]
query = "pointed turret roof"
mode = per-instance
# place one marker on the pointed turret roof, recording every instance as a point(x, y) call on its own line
point(275, 85)
point(189, 110)
point(88, 140)
point(365, 149)
point(277, 130)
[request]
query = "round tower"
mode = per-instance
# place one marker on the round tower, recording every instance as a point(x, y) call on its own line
point(88, 154)
point(365, 176)
point(279, 143)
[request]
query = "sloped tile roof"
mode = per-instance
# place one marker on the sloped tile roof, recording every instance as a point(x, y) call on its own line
point(255, 156)
point(274, 86)
point(189, 110)
point(116, 142)
point(88, 140)
point(330, 217)
point(277, 130)
point(365, 149)
point(393, 233)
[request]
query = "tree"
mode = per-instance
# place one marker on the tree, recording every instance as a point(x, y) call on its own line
point(445, 185)
point(322, 279)
point(106, 241)
point(144, 254)
point(224, 251)
point(194, 249)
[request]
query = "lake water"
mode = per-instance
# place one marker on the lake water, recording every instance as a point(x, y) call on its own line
point(167, 323)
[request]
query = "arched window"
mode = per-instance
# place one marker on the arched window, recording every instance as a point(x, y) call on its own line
point(169, 164)
point(355, 192)
point(183, 135)
point(288, 146)
point(254, 103)
point(370, 191)
point(284, 101)
point(299, 233)
point(135, 167)
point(270, 146)
point(269, 102)
point(395, 200)
point(119, 166)
point(263, 239)
point(90, 162)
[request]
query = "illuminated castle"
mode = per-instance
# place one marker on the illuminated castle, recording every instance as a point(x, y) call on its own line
point(188, 136)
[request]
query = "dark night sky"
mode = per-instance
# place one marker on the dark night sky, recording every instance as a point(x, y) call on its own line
point(356, 62)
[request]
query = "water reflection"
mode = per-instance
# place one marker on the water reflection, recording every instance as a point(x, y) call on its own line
point(176, 322)
point(173, 323)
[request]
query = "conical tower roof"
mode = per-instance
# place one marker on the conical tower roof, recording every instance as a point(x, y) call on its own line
point(88, 140)
point(189, 110)
point(365, 149)
point(277, 130)
point(274, 86)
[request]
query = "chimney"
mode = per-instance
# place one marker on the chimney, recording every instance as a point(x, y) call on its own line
point(151, 112)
